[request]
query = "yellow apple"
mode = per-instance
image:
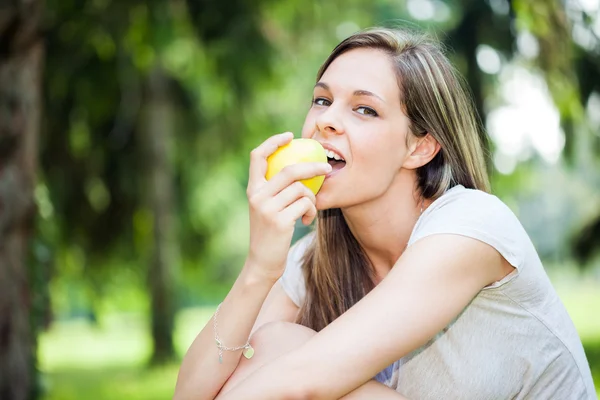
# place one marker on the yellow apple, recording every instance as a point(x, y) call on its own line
point(297, 151)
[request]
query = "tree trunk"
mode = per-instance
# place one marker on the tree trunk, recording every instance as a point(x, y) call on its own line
point(21, 55)
point(157, 138)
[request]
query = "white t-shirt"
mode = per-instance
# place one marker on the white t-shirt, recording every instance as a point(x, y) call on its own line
point(514, 340)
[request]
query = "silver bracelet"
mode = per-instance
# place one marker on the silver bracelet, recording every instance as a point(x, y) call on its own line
point(248, 350)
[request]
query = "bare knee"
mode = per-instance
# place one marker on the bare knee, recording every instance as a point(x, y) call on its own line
point(270, 341)
point(281, 336)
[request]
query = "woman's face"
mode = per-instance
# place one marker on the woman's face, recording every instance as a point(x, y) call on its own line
point(356, 113)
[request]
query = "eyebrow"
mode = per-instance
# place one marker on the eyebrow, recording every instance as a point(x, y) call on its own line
point(356, 92)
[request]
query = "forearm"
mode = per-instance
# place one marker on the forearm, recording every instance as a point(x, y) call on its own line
point(276, 390)
point(201, 376)
point(284, 383)
point(373, 390)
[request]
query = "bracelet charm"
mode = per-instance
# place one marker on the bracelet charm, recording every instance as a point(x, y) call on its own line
point(248, 350)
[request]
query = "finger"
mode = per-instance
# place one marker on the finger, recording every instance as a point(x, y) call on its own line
point(258, 156)
point(310, 216)
point(298, 208)
point(290, 194)
point(295, 172)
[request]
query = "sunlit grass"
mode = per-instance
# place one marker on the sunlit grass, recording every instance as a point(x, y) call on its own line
point(120, 341)
point(108, 361)
point(80, 361)
point(113, 383)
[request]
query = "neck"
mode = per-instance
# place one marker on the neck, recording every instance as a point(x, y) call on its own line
point(383, 226)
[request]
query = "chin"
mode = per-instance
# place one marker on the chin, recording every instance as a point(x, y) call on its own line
point(322, 204)
point(335, 196)
point(325, 201)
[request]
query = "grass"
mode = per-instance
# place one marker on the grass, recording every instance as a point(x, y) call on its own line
point(109, 361)
point(111, 383)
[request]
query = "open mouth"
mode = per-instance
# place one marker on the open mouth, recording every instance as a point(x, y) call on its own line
point(336, 161)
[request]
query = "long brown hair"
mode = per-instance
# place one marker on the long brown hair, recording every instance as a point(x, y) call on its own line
point(337, 271)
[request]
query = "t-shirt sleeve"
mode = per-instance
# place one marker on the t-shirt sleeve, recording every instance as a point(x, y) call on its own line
point(292, 279)
point(480, 216)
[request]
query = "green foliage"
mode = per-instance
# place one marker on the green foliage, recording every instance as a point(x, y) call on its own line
point(237, 72)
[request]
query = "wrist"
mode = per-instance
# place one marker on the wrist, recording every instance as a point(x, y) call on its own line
point(254, 275)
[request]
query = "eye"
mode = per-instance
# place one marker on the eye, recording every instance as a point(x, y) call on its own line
point(367, 111)
point(320, 101)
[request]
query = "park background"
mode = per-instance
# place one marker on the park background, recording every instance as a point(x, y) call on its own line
point(125, 131)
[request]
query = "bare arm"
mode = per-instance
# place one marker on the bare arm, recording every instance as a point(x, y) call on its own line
point(277, 307)
point(373, 390)
point(432, 282)
point(275, 206)
point(201, 376)
point(369, 391)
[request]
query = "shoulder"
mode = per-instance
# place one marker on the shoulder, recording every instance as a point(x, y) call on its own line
point(475, 214)
point(461, 206)
point(467, 202)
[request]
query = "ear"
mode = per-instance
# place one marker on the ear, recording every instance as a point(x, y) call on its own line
point(422, 150)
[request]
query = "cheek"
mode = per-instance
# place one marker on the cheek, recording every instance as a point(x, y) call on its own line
point(381, 154)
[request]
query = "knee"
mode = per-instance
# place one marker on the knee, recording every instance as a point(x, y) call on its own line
point(270, 341)
point(281, 334)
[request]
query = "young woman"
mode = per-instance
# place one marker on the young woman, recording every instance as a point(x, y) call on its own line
point(416, 282)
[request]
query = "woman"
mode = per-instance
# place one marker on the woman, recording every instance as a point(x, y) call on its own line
point(418, 282)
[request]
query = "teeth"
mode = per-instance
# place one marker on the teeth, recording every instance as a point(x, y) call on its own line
point(333, 155)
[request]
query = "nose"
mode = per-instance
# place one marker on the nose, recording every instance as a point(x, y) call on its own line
point(329, 122)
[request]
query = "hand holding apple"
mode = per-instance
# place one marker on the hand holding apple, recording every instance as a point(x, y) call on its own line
point(297, 151)
point(278, 197)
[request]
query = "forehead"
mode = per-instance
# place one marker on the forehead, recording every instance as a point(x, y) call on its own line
point(363, 69)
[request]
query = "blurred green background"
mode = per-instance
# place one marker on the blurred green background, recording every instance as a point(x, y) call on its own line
point(134, 121)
